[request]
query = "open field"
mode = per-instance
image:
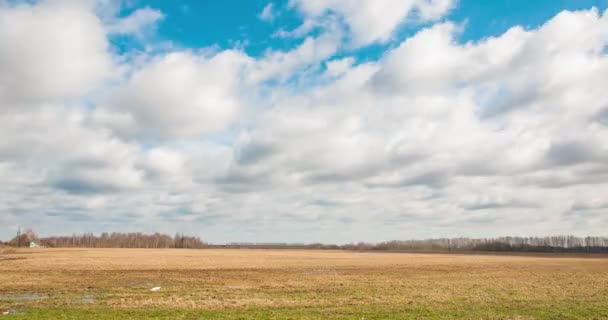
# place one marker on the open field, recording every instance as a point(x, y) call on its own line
point(297, 284)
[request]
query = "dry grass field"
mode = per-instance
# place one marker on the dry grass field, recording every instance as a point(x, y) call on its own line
point(297, 284)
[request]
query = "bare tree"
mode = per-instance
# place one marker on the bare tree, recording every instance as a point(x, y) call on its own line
point(124, 240)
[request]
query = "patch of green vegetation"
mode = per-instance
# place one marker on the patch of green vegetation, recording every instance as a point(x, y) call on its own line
point(367, 312)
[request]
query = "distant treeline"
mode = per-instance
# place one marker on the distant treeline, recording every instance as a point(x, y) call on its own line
point(110, 240)
point(554, 244)
point(503, 244)
point(258, 245)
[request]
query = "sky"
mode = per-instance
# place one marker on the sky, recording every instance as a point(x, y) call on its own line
point(304, 120)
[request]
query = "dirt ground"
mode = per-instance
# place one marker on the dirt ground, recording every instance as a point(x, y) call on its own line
point(294, 284)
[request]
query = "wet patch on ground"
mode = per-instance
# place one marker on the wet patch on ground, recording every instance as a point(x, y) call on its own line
point(23, 297)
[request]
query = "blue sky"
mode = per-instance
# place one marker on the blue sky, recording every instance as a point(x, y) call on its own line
point(304, 121)
point(199, 24)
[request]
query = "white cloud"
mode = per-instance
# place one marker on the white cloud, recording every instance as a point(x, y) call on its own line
point(434, 9)
point(268, 14)
point(183, 94)
point(338, 67)
point(51, 50)
point(374, 21)
point(136, 22)
point(505, 135)
point(282, 65)
point(453, 119)
point(305, 28)
point(56, 142)
point(164, 161)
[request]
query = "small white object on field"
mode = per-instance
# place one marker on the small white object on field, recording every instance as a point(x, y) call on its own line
point(155, 289)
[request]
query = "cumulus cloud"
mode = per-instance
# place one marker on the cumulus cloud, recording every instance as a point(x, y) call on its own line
point(374, 21)
point(182, 94)
point(56, 142)
point(440, 115)
point(51, 50)
point(435, 138)
point(283, 65)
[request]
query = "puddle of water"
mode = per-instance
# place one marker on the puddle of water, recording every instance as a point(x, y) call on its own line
point(142, 284)
point(23, 297)
point(9, 312)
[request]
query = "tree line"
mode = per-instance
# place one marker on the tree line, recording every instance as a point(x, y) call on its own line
point(503, 244)
point(110, 240)
point(157, 240)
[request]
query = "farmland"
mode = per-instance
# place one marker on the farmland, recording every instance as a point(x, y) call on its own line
point(297, 284)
